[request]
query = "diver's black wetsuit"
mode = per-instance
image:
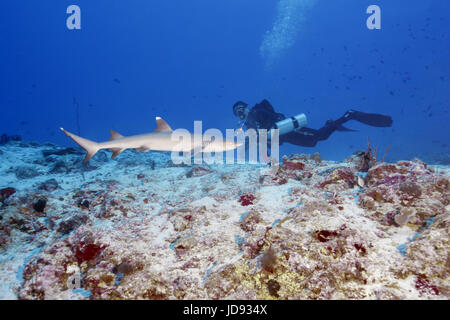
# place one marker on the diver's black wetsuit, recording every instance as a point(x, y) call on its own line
point(263, 116)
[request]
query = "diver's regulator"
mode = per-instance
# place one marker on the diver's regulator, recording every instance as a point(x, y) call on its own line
point(291, 124)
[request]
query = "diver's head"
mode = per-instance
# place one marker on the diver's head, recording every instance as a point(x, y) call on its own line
point(240, 109)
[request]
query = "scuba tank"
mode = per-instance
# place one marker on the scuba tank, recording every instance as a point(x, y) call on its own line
point(291, 124)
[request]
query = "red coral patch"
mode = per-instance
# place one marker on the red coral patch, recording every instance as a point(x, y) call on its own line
point(6, 193)
point(294, 165)
point(325, 235)
point(423, 285)
point(86, 252)
point(246, 199)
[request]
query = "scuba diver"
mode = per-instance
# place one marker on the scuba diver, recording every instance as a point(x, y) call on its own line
point(293, 130)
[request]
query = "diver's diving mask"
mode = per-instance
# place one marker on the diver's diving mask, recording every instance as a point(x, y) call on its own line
point(240, 111)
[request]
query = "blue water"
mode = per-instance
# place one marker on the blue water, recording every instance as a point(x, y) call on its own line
point(191, 60)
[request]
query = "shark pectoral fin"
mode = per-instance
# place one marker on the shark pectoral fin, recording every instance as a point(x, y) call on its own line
point(115, 135)
point(116, 152)
point(162, 126)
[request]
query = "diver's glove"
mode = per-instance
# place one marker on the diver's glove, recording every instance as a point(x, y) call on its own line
point(371, 119)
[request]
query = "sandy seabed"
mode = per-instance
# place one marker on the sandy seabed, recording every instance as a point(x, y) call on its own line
point(140, 227)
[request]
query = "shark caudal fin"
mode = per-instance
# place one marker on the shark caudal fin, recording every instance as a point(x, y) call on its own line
point(91, 147)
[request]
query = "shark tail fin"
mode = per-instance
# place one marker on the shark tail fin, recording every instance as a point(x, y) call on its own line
point(91, 147)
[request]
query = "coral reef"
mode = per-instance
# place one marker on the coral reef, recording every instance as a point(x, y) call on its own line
point(4, 138)
point(140, 227)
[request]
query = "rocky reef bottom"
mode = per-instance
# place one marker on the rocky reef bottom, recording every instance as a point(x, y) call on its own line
point(140, 227)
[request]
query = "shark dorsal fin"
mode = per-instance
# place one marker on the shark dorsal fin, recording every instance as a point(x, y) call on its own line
point(115, 135)
point(162, 126)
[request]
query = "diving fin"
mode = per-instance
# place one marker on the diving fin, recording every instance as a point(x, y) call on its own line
point(344, 129)
point(371, 119)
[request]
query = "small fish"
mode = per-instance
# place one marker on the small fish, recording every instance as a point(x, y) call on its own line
point(361, 182)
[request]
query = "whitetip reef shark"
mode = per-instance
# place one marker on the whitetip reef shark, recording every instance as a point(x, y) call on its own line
point(161, 139)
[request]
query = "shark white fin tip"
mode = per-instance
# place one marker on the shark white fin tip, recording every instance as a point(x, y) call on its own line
point(162, 125)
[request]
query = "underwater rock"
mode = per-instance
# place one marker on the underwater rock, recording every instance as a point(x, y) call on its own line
point(325, 235)
point(198, 172)
point(411, 188)
point(124, 268)
point(293, 165)
point(83, 204)
point(61, 152)
point(49, 185)
point(72, 223)
point(340, 176)
point(26, 172)
point(4, 138)
point(21, 223)
point(404, 216)
point(101, 156)
point(39, 206)
point(5, 193)
point(60, 167)
point(181, 219)
point(84, 167)
point(250, 221)
point(171, 164)
point(273, 286)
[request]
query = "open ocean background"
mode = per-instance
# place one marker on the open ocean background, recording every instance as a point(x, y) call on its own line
point(191, 60)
